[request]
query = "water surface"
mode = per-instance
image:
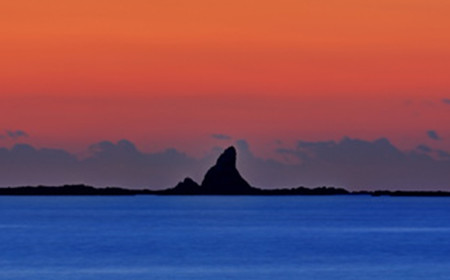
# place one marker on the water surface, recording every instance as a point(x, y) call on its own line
point(224, 237)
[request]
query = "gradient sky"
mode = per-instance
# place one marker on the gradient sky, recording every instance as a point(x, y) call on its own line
point(172, 73)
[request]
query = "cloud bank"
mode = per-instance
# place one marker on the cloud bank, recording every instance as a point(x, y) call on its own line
point(109, 164)
point(351, 163)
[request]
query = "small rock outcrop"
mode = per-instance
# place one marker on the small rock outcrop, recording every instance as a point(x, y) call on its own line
point(188, 186)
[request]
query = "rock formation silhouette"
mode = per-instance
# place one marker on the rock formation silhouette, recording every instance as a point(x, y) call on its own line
point(222, 178)
point(188, 186)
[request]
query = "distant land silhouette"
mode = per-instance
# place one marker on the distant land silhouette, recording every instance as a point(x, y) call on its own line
point(221, 179)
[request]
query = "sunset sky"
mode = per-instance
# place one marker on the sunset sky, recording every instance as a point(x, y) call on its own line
point(196, 74)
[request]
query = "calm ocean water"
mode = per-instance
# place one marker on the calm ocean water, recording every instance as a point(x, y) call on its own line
point(219, 237)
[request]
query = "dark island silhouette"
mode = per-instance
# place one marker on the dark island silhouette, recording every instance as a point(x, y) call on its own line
point(221, 179)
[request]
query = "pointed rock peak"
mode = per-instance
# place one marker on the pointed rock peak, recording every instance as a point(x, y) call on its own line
point(227, 158)
point(224, 178)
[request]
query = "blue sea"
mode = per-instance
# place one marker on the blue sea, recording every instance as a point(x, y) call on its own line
point(224, 237)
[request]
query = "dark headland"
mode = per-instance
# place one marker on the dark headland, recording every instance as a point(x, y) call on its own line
point(221, 179)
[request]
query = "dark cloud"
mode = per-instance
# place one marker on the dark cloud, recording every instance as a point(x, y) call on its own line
point(432, 134)
point(108, 164)
point(351, 163)
point(14, 134)
point(446, 100)
point(348, 151)
point(25, 165)
point(123, 164)
point(221, 136)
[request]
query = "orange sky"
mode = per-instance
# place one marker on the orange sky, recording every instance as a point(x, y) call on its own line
point(74, 72)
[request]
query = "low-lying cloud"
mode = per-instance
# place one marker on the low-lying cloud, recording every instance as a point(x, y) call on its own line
point(109, 164)
point(351, 163)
